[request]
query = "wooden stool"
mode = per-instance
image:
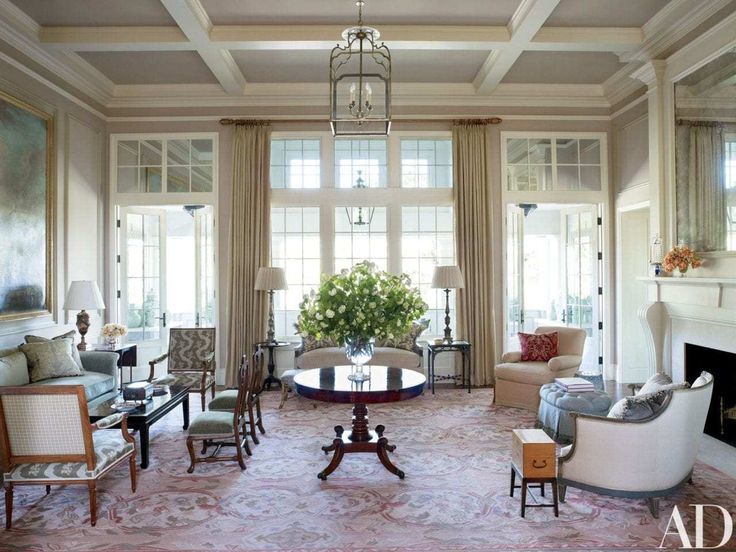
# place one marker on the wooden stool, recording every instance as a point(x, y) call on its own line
point(534, 459)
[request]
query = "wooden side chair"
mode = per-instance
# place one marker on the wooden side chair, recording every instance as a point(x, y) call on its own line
point(46, 439)
point(191, 361)
point(221, 428)
point(226, 400)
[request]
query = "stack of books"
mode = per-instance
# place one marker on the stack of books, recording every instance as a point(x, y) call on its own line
point(576, 385)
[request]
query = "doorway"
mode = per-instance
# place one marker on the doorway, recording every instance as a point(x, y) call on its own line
point(166, 273)
point(553, 272)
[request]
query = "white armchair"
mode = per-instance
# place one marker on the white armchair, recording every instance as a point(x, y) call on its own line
point(647, 458)
point(518, 383)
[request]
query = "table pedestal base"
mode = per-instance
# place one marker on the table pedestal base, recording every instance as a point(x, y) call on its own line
point(360, 439)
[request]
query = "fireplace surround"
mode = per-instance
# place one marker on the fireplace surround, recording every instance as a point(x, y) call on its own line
point(721, 420)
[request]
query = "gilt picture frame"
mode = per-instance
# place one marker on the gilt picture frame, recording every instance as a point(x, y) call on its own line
point(27, 222)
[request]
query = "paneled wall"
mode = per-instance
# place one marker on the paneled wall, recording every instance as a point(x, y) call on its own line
point(80, 164)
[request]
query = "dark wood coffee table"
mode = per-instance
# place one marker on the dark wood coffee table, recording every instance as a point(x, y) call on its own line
point(147, 414)
point(386, 385)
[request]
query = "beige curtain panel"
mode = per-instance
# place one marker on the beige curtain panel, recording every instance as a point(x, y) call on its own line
point(250, 242)
point(701, 185)
point(473, 219)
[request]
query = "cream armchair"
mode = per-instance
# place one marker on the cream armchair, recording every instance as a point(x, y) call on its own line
point(518, 383)
point(647, 458)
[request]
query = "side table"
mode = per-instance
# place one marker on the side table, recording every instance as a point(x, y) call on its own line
point(127, 356)
point(462, 347)
point(533, 458)
point(271, 377)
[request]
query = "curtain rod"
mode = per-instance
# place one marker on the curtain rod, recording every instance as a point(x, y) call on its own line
point(491, 121)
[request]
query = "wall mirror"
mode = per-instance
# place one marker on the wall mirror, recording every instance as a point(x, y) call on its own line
point(705, 155)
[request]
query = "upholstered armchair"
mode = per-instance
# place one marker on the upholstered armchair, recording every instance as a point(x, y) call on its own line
point(647, 458)
point(46, 439)
point(518, 382)
point(191, 361)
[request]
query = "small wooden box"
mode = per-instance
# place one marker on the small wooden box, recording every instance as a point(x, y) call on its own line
point(533, 453)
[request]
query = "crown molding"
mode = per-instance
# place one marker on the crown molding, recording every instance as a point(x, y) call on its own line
point(651, 73)
point(621, 85)
point(671, 24)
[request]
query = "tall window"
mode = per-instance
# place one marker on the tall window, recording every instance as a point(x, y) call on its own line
point(730, 181)
point(295, 163)
point(428, 240)
point(356, 241)
point(295, 246)
point(385, 219)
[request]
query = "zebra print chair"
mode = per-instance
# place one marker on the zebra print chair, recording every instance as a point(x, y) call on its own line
point(191, 361)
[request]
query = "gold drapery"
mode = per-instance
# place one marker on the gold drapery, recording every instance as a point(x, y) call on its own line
point(474, 232)
point(250, 241)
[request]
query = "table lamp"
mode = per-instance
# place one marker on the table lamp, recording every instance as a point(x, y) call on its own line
point(270, 278)
point(447, 278)
point(83, 294)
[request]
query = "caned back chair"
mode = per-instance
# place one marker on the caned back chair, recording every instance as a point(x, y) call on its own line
point(46, 438)
point(191, 360)
point(221, 428)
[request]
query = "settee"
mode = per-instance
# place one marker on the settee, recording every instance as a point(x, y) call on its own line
point(100, 377)
point(402, 352)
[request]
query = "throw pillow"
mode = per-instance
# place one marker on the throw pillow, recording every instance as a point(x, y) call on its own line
point(68, 335)
point(639, 407)
point(654, 382)
point(538, 346)
point(14, 369)
point(701, 380)
point(51, 359)
point(409, 339)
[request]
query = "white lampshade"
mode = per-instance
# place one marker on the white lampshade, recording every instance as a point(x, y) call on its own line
point(447, 277)
point(270, 278)
point(82, 295)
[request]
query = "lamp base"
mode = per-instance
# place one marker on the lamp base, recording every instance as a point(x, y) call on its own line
point(82, 328)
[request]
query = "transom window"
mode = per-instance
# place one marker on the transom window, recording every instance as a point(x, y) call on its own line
point(340, 221)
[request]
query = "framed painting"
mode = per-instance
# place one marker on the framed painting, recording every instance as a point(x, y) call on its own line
point(26, 210)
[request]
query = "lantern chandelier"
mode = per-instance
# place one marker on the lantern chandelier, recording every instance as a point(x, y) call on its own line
point(360, 83)
point(360, 219)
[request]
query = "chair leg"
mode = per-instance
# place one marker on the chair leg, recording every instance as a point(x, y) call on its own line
point(239, 450)
point(92, 502)
point(245, 441)
point(48, 489)
point(212, 390)
point(204, 447)
point(252, 423)
point(562, 491)
point(204, 400)
point(259, 418)
point(8, 506)
point(190, 447)
point(653, 504)
point(133, 472)
point(284, 395)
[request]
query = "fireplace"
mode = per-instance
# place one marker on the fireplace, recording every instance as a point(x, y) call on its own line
point(721, 420)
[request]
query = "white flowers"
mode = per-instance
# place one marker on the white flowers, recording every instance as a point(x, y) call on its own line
point(341, 309)
point(329, 313)
point(114, 330)
point(333, 292)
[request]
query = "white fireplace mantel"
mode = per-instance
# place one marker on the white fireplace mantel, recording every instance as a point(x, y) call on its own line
point(687, 310)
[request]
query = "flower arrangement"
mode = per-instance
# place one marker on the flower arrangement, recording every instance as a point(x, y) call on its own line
point(681, 257)
point(363, 302)
point(113, 332)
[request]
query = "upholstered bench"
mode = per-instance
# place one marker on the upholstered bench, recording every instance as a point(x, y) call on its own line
point(556, 405)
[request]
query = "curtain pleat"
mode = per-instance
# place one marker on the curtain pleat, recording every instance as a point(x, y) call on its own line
point(474, 238)
point(701, 189)
point(250, 242)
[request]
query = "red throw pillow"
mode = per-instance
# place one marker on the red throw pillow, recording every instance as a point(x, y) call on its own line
point(538, 346)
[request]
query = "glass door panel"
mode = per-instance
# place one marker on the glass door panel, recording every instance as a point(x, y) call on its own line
point(515, 274)
point(205, 259)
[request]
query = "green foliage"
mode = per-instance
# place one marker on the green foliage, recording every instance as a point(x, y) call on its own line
point(361, 303)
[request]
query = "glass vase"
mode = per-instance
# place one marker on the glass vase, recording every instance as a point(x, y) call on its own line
point(359, 351)
point(111, 343)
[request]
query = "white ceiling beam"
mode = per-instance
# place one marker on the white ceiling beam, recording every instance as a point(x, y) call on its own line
point(524, 25)
point(324, 37)
point(194, 22)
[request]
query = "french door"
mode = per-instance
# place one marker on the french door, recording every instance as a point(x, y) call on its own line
point(166, 275)
point(552, 273)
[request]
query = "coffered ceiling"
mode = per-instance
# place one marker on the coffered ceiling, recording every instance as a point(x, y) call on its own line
point(139, 53)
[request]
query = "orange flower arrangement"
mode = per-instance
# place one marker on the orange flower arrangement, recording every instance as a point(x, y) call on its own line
point(681, 257)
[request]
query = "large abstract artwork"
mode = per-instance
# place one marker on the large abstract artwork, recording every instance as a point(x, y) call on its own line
point(26, 210)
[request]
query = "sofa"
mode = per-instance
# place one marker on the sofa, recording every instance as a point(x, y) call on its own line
point(100, 378)
point(399, 353)
point(518, 382)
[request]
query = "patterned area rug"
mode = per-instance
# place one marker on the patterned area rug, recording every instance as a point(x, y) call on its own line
point(454, 448)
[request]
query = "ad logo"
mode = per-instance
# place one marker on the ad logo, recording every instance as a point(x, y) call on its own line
point(680, 532)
